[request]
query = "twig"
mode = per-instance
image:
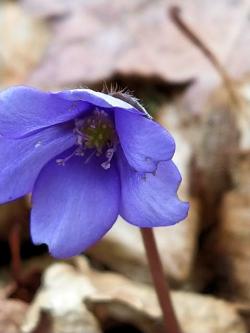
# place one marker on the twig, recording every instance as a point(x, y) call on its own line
point(175, 14)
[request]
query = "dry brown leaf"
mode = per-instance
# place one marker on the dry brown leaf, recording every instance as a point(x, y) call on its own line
point(20, 47)
point(118, 300)
point(11, 315)
point(122, 249)
point(60, 299)
point(223, 133)
point(232, 245)
point(90, 44)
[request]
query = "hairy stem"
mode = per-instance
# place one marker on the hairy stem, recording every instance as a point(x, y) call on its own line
point(160, 283)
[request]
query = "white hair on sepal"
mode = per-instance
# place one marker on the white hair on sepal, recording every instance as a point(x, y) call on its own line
point(127, 96)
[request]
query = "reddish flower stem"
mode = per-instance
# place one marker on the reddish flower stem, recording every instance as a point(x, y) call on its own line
point(160, 282)
point(14, 242)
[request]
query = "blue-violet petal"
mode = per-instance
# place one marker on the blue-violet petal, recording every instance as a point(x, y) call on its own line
point(149, 200)
point(74, 205)
point(144, 142)
point(22, 159)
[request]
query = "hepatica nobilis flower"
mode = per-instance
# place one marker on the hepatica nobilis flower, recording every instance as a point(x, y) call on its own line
point(86, 157)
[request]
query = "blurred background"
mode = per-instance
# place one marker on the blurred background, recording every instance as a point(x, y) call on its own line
point(204, 103)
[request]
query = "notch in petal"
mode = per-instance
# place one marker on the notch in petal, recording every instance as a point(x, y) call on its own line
point(148, 200)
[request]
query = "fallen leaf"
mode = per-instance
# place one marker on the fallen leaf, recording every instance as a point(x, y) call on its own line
point(20, 47)
point(11, 315)
point(116, 300)
point(90, 44)
point(60, 299)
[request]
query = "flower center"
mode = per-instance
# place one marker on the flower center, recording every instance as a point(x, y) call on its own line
point(96, 131)
point(95, 136)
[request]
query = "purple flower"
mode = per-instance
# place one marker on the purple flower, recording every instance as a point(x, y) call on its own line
point(86, 157)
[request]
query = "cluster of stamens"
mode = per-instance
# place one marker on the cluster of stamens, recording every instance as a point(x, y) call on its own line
point(94, 134)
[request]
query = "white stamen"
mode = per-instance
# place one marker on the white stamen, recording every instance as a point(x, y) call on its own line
point(109, 154)
point(106, 165)
point(62, 161)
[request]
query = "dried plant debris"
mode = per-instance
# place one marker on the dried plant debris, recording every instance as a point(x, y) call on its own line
point(221, 164)
point(122, 249)
point(222, 135)
point(232, 238)
point(115, 300)
point(233, 244)
point(139, 38)
point(243, 115)
point(61, 300)
point(15, 212)
point(20, 47)
point(12, 313)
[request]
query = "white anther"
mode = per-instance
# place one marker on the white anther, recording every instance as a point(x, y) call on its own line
point(106, 165)
point(109, 154)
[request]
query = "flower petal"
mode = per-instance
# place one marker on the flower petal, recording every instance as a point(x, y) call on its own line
point(22, 159)
point(148, 200)
point(74, 205)
point(24, 110)
point(144, 142)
